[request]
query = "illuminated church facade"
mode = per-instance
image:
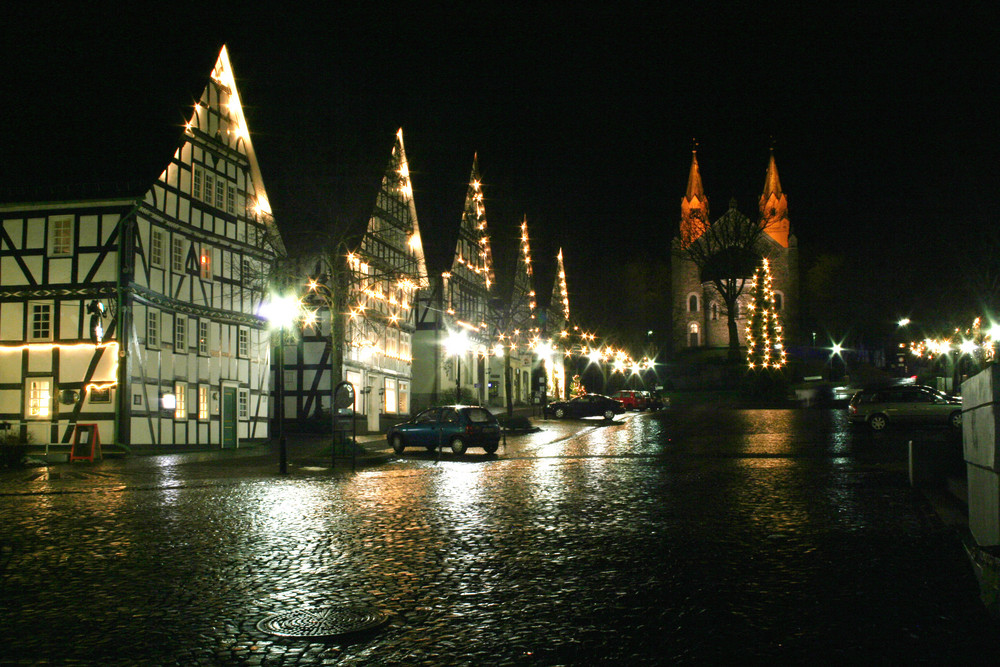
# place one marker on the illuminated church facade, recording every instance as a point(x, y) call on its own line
point(700, 318)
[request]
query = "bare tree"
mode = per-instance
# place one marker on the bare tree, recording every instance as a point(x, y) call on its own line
point(726, 254)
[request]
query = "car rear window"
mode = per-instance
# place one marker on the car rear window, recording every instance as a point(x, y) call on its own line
point(479, 416)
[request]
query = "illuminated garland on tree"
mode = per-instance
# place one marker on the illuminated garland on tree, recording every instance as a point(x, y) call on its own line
point(764, 345)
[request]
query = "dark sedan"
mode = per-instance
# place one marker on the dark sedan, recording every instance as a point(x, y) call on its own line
point(588, 405)
point(458, 426)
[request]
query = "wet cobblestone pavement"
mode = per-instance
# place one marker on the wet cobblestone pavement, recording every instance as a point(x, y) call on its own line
point(702, 537)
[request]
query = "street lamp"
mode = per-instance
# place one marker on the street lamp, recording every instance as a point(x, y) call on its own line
point(456, 344)
point(281, 312)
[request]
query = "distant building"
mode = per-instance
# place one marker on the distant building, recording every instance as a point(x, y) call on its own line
point(136, 310)
point(699, 314)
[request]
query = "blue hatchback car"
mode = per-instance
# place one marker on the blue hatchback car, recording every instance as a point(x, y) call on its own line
point(457, 426)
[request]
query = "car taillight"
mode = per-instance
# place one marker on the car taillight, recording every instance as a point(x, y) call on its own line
point(853, 409)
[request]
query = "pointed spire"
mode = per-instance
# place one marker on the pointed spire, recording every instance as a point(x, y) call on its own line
point(774, 205)
point(694, 204)
point(694, 188)
point(771, 183)
point(560, 292)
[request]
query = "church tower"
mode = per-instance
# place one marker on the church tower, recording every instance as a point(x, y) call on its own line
point(774, 206)
point(694, 205)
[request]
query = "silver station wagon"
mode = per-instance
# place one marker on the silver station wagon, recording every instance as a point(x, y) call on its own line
point(906, 404)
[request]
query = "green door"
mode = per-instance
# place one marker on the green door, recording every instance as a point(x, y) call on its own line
point(228, 417)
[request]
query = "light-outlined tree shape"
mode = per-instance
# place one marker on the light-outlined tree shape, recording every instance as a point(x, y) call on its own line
point(765, 347)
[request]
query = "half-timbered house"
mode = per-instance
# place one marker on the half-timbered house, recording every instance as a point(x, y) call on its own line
point(382, 277)
point(136, 311)
point(453, 338)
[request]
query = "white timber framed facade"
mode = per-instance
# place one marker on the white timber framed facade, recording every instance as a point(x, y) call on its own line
point(171, 274)
point(381, 279)
point(453, 337)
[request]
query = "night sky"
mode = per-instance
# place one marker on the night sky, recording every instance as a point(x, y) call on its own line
point(883, 122)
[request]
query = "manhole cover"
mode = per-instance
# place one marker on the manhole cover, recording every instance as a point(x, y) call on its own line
point(322, 623)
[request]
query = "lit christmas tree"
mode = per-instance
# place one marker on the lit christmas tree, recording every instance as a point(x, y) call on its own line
point(765, 348)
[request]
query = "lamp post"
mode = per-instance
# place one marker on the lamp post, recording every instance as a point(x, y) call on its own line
point(456, 344)
point(281, 312)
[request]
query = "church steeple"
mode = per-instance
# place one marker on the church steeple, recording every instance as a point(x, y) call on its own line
point(774, 206)
point(694, 204)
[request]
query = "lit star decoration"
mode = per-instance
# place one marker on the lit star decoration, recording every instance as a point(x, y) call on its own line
point(765, 348)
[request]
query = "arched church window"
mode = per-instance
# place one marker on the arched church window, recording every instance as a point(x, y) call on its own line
point(715, 311)
point(779, 301)
point(693, 303)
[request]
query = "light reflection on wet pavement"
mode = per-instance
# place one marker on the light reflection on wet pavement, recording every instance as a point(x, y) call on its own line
point(700, 536)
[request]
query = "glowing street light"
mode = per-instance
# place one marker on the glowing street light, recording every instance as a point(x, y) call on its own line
point(281, 311)
point(456, 345)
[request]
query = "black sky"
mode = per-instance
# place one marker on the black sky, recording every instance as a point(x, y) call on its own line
point(883, 121)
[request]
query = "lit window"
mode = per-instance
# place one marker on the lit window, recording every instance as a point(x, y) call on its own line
point(40, 322)
point(230, 199)
point(152, 328)
point(243, 343)
point(177, 255)
point(202, 337)
point(390, 395)
point(61, 236)
point(202, 402)
point(180, 333)
point(244, 404)
point(404, 347)
point(205, 263)
point(180, 398)
point(39, 396)
point(156, 248)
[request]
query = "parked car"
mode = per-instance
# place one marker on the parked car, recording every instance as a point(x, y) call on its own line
point(632, 399)
point(905, 404)
point(588, 405)
point(657, 400)
point(457, 426)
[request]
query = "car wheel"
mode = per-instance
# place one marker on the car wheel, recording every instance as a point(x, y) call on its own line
point(878, 422)
point(955, 420)
point(491, 449)
point(397, 444)
point(457, 446)
point(609, 414)
point(559, 413)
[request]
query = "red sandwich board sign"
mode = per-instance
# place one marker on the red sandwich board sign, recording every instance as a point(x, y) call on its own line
point(86, 443)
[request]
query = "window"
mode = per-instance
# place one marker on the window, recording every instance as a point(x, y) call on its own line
point(38, 393)
point(243, 404)
point(392, 342)
point(230, 199)
point(197, 179)
point(220, 193)
point(61, 236)
point(205, 262)
point(40, 321)
point(243, 343)
point(203, 337)
point(404, 346)
point(177, 255)
point(715, 311)
point(156, 247)
point(404, 397)
point(202, 402)
point(693, 335)
point(152, 328)
point(390, 395)
point(778, 301)
point(693, 303)
point(180, 333)
point(180, 406)
point(209, 188)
